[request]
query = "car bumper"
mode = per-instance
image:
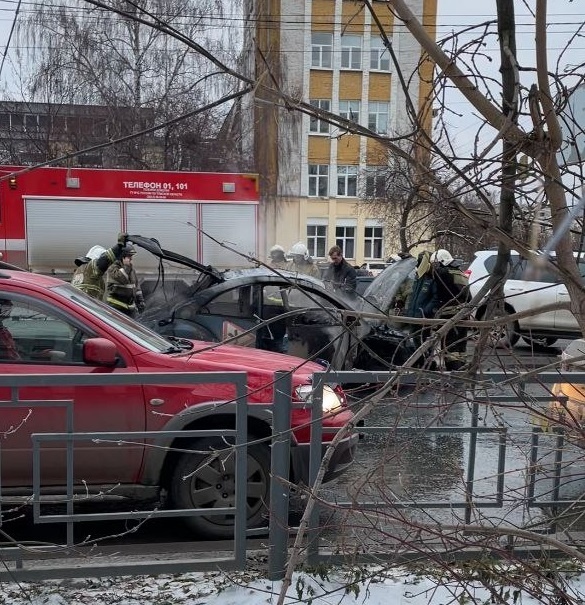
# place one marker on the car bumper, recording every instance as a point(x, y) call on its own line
point(342, 458)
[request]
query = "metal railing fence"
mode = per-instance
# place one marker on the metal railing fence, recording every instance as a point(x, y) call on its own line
point(488, 387)
point(17, 382)
point(485, 388)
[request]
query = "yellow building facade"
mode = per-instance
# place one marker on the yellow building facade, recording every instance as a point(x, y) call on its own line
point(313, 173)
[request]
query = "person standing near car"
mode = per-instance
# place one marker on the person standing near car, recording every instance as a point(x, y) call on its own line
point(122, 290)
point(452, 291)
point(301, 261)
point(277, 258)
point(340, 275)
point(421, 301)
point(91, 268)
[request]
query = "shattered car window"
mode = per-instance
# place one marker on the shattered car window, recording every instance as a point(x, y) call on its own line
point(299, 299)
point(232, 303)
point(272, 295)
point(383, 289)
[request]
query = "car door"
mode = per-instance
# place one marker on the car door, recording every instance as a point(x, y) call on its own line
point(226, 313)
point(531, 286)
point(50, 341)
point(318, 329)
point(564, 319)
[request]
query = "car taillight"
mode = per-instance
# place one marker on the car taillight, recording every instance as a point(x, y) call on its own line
point(467, 273)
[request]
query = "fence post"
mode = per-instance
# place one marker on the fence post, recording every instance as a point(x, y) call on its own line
point(315, 459)
point(279, 476)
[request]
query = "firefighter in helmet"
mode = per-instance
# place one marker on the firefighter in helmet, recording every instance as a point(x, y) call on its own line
point(301, 261)
point(91, 268)
point(452, 294)
point(122, 289)
point(277, 257)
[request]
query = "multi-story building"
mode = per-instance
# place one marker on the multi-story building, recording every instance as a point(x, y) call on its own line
point(83, 135)
point(313, 174)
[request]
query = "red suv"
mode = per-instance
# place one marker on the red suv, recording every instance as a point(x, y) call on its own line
point(49, 327)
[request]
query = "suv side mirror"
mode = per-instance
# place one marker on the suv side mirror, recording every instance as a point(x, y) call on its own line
point(100, 352)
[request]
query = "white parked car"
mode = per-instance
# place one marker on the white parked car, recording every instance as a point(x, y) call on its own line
point(527, 287)
point(375, 268)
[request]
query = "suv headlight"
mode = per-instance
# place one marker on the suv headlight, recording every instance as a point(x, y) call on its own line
point(331, 400)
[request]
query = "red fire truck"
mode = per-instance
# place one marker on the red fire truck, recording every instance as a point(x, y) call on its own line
point(49, 216)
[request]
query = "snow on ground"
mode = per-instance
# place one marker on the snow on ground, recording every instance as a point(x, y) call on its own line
point(396, 587)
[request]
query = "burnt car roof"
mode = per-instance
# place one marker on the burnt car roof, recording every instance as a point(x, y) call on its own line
point(258, 274)
point(177, 306)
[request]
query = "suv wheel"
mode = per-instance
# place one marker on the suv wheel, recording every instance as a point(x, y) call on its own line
point(208, 480)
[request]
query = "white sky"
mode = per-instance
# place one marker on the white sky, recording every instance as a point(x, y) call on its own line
point(565, 16)
point(202, 589)
point(564, 19)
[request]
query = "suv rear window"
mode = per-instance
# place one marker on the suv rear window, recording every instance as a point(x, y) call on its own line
point(521, 269)
point(517, 265)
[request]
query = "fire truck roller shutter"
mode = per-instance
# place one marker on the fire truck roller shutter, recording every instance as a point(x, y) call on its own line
point(58, 231)
point(172, 224)
point(235, 224)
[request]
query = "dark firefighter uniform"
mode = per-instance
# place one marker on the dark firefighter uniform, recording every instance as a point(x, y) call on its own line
point(89, 275)
point(122, 289)
point(421, 299)
point(452, 292)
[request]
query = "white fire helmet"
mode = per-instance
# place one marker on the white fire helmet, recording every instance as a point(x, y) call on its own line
point(276, 248)
point(95, 252)
point(442, 256)
point(299, 249)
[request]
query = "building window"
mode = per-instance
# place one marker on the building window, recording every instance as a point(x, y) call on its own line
point(351, 52)
point(350, 110)
point(379, 55)
point(345, 239)
point(321, 49)
point(44, 122)
point(375, 182)
point(16, 121)
point(31, 123)
point(347, 181)
point(317, 240)
point(318, 125)
point(318, 180)
point(373, 242)
point(378, 116)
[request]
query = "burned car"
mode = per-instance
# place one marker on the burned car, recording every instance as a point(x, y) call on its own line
point(261, 308)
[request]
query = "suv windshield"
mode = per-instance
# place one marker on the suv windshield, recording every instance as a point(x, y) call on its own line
point(130, 328)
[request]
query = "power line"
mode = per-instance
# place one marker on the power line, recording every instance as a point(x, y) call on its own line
point(9, 37)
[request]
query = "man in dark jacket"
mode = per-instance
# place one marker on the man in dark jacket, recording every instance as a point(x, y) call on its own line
point(340, 275)
point(122, 289)
point(91, 268)
point(452, 292)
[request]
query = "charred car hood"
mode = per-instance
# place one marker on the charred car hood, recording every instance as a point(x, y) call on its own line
point(152, 245)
